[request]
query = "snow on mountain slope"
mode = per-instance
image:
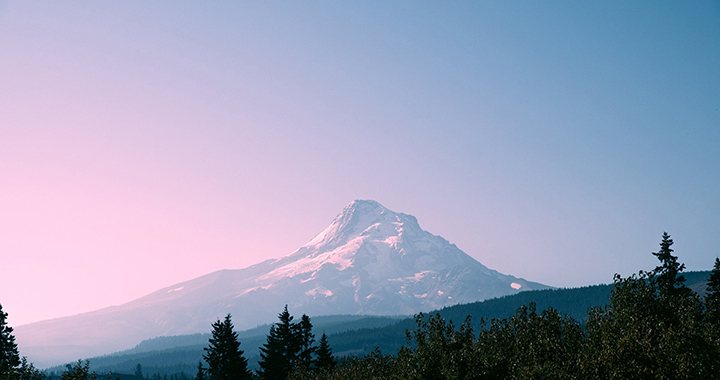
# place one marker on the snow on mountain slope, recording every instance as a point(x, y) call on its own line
point(369, 260)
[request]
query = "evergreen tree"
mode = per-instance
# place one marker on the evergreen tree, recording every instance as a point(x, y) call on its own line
point(79, 371)
point(138, 371)
point(9, 355)
point(653, 328)
point(305, 339)
point(279, 354)
point(713, 284)
point(29, 372)
point(712, 299)
point(200, 372)
point(712, 306)
point(643, 334)
point(325, 359)
point(224, 357)
point(667, 272)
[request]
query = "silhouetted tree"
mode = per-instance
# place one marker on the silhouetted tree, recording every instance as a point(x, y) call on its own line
point(713, 286)
point(138, 371)
point(325, 359)
point(29, 372)
point(200, 372)
point(305, 339)
point(79, 371)
point(652, 328)
point(224, 357)
point(668, 272)
point(280, 351)
point(712, 313)
point(9, 355)
point(12, 367)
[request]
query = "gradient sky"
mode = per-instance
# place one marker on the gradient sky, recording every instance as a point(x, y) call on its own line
point(147, 143)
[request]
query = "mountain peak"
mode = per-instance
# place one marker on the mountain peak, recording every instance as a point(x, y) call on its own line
point(364, 206)
point(354, 219)
point(363, 202)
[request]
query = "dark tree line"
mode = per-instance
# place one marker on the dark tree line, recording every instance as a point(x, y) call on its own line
point(654, 327)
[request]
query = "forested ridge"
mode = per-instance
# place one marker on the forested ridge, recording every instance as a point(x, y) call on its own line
point(654, 324)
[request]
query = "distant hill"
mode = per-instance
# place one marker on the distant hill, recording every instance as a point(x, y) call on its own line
point(328, 324)
point(353, 335)
point(175, 354)
point(573, 302)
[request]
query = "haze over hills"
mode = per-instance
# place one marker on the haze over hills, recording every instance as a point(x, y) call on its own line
point(351, 335)
point(369, 260)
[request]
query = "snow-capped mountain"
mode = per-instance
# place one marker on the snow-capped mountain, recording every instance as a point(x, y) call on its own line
point(369, 260)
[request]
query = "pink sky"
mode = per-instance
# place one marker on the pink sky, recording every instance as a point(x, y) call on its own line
point(146, 144)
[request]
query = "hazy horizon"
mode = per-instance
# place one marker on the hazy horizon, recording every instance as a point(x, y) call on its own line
point(146, 144)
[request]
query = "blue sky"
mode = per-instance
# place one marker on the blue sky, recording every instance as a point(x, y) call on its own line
point(160, 141)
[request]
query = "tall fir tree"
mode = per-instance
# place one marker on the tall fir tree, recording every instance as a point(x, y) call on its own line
point(200, 375)
point(29, 372)
point(667, 273)
point(224, 357)
point(279, 354)
point(713, 284)
point(9, 355)
point(653, 327)
point(79, 371)
point(325, 359)
point(305, 339)
point(712, 306)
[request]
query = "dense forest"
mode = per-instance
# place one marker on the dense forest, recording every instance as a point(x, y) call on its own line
point(651, 325)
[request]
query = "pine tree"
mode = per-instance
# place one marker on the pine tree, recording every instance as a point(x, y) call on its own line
point(668, 278)
point(653, 327)
point(200, 372)
point(29, 372)
point(325, 359)
point(279, 354)
point(224, 357)
point(138, 371)
point(712, 304)
point(305, 339)
point(78, 371)
point(9, 355)
point(713, 284)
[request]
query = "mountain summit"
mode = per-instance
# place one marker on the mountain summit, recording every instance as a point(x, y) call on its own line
point(372, 260)
point(369, 260)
